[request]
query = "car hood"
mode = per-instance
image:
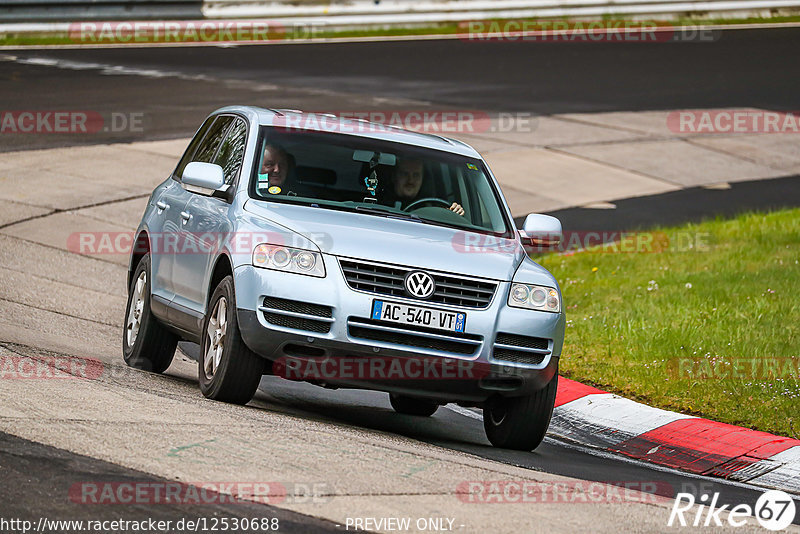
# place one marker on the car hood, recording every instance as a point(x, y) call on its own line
point(397, 241)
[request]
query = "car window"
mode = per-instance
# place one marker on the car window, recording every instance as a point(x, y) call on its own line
point(231, 150)
point(190, 151)
point(212, 140)
point(342, 172)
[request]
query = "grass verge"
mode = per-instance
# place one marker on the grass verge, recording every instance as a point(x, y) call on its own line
point(708, 326)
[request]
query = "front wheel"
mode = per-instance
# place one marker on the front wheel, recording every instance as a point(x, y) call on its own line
point(520, 423)
point(228, 370)
point(412, 406)
point(146, 343)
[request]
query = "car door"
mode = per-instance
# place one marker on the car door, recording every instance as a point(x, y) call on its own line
point(164, 224)
point(169, 240)
point(208, 225)
point(164, 238)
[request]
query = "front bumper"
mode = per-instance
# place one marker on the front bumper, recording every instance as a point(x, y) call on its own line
point(346, 332)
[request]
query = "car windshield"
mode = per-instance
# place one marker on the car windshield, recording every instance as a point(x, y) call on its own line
point(375, 177)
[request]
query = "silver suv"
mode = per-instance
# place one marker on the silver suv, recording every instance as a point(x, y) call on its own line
point(347, 254)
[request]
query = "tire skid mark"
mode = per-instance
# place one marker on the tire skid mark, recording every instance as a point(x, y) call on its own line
point(75, 208)
point(58, 312)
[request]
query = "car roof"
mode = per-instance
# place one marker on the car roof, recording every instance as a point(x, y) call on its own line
point(325, 122)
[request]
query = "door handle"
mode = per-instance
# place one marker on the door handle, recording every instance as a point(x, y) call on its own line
point(162, 205)
point(185, 215)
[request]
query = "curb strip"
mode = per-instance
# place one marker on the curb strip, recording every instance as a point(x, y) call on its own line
point(598, 419)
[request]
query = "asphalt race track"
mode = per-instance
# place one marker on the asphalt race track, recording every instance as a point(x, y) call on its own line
point(36, 473)
point(175, 88)
point(742, 68)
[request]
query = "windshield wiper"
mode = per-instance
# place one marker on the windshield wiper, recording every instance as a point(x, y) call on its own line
point(387, 213)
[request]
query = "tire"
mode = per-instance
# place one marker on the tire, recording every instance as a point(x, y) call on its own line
point(228, 370)
point(520, 423)
point(146, 343)
point(412, 406)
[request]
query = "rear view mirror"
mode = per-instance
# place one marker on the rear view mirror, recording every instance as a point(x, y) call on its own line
point(315, 175)
point(542, 230)
point(366, 156)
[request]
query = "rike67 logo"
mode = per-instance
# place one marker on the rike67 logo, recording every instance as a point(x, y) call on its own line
point(775, 510)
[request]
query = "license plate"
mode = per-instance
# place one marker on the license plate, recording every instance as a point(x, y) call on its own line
point(402, 313)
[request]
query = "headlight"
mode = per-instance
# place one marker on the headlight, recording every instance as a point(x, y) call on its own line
point(290, 260)
point(534, 298)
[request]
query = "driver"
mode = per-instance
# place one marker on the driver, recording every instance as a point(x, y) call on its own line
point(407, 182)
point(276, 167)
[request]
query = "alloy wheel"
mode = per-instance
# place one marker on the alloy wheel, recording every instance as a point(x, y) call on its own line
point(217, 327)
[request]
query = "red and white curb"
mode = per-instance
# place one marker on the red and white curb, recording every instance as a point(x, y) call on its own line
point(601, 420)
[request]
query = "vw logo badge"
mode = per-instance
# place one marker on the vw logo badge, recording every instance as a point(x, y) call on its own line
point(420, 284)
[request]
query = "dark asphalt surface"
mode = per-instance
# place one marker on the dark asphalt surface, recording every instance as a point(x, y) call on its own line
point(39, 481)
point(741, 68)
point(693, 204)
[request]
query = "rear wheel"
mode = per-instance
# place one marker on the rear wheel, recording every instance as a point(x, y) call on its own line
point(412, 406)
point(146, 343)
point(520, 423)
point(228, 370)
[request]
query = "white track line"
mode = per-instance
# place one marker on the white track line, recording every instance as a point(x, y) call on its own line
point(464, 411)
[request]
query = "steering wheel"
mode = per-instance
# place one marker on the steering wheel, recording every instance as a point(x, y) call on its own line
point(429, 200)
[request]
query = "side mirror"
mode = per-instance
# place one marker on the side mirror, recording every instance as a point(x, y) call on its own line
point(543, 231)
point(204, 178)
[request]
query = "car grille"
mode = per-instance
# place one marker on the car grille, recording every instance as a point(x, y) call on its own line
point(411, 336)
point(520, 349)
point(298, 315)
point(390, 280)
